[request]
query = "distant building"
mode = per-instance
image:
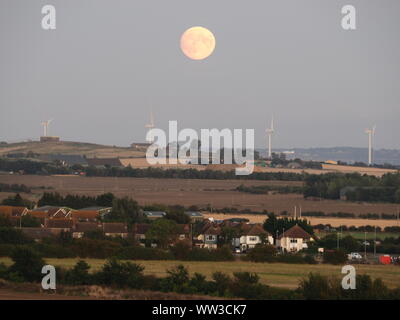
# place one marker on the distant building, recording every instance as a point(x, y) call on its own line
point(295, 239)
point(82, 227)
point(115, 229)
point(154, 214)
point(49, 139)
point(194, 215)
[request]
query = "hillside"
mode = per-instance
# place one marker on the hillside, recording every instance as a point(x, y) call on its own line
point(89, 150)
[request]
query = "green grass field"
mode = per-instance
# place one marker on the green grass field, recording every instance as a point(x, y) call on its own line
point(273, 274)
point(361, 235)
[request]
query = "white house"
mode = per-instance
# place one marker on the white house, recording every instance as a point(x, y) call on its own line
point(250, 236)
point(293, 240)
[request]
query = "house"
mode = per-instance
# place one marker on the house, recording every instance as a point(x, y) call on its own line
point(293, 240)
point(11, 211)
point(251, 235)
point(85, 215)
point(210, 236)
point(59, 223)
point(154, 214)
point(139, 232)
point(81, 228)
point(194, 216)
point(183, 232)
point(51, 212)
point(101, 211)
point(115, 229)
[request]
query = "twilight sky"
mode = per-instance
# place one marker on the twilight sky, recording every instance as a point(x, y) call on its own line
point(109, 62)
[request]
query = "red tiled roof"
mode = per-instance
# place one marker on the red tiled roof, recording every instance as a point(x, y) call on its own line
point(296, 232)
point(85, 214)
point(213, 230)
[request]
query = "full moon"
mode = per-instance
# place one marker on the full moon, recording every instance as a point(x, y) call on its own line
point(197, 43)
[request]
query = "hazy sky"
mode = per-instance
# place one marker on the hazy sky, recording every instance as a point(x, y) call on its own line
point(109, 62)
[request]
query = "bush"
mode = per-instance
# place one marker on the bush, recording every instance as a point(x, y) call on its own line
point(79, 275)
point(121, 274)
point(27, 264)
point(262, 253)
point(335, 257)
point(13, 236)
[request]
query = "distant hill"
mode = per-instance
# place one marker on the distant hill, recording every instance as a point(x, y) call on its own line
point(89, 150)
point(346, 154)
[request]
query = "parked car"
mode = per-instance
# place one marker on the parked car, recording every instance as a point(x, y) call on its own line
point(237, 250)
point(355, 256)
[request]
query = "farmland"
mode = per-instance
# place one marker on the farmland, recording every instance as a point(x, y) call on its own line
point(274, 274)
point(202, 193)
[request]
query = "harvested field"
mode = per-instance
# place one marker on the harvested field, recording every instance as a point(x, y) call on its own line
point(334, 222)
point(187, 192)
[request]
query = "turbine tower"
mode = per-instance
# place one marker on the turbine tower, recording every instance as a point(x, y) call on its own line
point(150, 125)
point(270, 132)
point(45, 125)
point(371, 133)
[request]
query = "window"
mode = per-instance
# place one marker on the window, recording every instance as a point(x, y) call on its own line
point(293, 240)
point(253, 239)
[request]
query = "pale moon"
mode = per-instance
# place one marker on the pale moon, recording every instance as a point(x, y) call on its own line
point(197, 43)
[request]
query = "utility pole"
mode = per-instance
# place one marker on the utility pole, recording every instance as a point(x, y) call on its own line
point(375, 243)
point(365, 245)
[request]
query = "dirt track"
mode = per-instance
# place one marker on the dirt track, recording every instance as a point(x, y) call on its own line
point(7, 294)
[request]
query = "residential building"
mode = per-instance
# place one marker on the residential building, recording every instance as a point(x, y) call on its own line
point(293, 240)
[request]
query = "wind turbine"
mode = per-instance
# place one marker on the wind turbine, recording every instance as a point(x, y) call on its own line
point(45, 125)
point(150, 125)
point(371, 133)
point(270, 132)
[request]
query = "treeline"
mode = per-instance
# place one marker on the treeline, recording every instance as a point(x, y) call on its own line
point(27, 265)
point(189, 174)
point(14, 188)
point(354, 187)
point(267, 189)
point(385, 216)
point(32, 166)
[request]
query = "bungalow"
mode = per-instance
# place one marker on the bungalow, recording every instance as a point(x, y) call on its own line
point(250, 235)
point(115, 229)
point(154, 214)
point(102, 211)
point(59, 223)
point(52, 212)
point(293, 240)
point(81, 228)
point(11, 211)
point(85, 215)
point(194, 216)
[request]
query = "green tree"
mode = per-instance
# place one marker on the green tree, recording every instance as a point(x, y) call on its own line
point(27, 264)
point(163, 232)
